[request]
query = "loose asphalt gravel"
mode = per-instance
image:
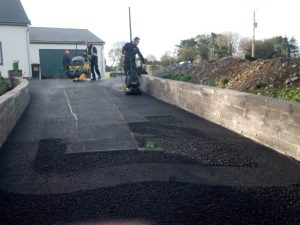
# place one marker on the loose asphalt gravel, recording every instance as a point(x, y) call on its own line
point(84, 153)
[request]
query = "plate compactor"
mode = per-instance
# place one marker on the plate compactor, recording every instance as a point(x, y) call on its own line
point(132, 83)
point(79, 70)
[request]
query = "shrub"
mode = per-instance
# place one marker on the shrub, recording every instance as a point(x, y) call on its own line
point(4, 86)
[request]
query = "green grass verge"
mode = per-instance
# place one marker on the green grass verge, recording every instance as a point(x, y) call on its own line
point(179, 77)
point(283, 93)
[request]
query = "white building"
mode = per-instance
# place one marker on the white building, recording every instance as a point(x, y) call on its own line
point(39, 46)
point(47, 47)
point(14, 37)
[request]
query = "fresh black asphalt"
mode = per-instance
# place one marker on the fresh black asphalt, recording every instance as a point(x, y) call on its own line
point(86, 153)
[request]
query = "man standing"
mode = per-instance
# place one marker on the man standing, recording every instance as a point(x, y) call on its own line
point(130, 50)
point(66, 62)
point(90, 54)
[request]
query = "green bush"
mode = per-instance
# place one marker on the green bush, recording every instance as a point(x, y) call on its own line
point(4, 86)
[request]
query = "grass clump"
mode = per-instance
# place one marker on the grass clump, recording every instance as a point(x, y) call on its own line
point(292, 94)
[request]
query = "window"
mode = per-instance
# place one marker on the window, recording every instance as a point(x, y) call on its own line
point(1, 55)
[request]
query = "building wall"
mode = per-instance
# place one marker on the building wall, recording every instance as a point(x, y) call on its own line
point(35, 58)
point(14, 41)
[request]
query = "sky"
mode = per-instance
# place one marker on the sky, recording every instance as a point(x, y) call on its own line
point(162, 24)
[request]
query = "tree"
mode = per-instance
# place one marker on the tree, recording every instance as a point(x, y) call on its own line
point(151, 58)
point(168, 59)
point(187, 54)
point(115, 52)
point(215, 46)
point(281, 46)
point(205, 46)
point(233, 42)
point(264, 49)
point(294, 49)
point(187, 50)
point(285, 51)
point(245, 46)
point(225, 44)
point(271, 48)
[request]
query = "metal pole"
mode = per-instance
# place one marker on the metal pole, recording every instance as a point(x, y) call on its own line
point(130, 25)
point(253, 38)
point(130, 38)
point(76, 49)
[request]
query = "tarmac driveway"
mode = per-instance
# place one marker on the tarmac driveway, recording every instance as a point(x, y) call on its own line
point(87, 152)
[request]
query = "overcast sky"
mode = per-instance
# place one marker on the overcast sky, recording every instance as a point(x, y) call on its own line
point(161, 24)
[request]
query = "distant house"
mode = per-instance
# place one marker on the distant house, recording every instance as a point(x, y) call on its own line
point(14, 37)
point(47, 47)
point(39, 45)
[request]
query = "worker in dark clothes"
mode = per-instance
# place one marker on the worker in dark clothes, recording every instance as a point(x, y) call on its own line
point(91, 55)
point(129, 51)
point(66, 61)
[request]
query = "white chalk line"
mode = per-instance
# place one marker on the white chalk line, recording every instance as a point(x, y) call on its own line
point(70, 107)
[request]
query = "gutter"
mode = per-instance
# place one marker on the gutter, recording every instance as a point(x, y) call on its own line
point(14, 24)
point(63, 42)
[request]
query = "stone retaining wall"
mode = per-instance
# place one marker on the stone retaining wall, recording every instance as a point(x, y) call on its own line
point(271, 122)
point(12, 105)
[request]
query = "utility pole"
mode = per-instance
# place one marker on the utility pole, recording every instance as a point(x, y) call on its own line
point(130, 25)
point(253, 38)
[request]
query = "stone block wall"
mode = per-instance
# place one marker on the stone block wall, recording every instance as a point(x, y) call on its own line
point(271, 122)
point(12, 105)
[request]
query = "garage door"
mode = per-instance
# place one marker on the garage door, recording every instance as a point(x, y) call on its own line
point(51, 62)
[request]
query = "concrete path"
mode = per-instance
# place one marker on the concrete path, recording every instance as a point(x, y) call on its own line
point(85, 151)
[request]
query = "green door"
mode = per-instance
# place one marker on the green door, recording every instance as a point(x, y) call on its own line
point(51, 62)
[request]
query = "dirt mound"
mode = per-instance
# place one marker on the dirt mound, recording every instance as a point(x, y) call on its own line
point(241, 74)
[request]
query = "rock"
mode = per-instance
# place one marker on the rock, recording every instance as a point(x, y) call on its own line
point(291, 79)
point(260, 84)
point(250, 58)
point(287, 81)
point(294, 78)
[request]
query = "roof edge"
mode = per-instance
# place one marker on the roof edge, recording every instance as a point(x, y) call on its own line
point(64, 42)
point(34, 27)
point(14, 24)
